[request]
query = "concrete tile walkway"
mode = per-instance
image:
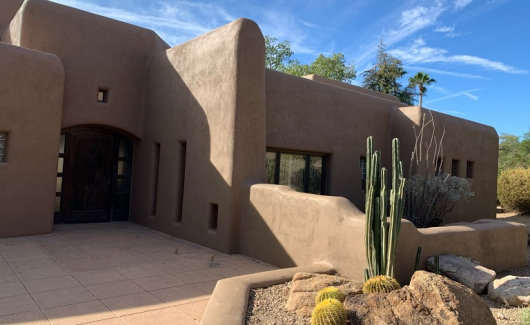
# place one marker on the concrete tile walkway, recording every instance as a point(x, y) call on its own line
point(110, 273)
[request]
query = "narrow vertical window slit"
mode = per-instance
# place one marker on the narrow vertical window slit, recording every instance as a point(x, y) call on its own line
point(156, 168)
point(182, 177)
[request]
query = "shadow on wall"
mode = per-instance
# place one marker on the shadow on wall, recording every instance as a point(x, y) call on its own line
point(183, 182)
point(310, 228)
point(307, 229)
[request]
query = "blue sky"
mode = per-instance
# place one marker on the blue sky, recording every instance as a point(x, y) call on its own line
point(477, 50)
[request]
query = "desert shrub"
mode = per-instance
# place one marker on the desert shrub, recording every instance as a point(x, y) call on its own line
point(431, 197)
point(430, 194)
point(525, 316)
point(513, 189)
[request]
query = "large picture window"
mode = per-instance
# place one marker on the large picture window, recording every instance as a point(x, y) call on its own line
point(301, 171)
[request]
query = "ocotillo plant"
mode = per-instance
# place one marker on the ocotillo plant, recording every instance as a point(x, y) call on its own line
point(381, 236)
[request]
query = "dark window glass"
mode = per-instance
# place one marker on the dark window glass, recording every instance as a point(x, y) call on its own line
point(122, 167)
point(315, 174)
point(302, 172)
point(362, 165)
point(125, 149)
point(61, 143)
point(3, 140)
point(57, 204)
point(60, 165)
point(292, 171)
point(271, 167)
point(121, 185)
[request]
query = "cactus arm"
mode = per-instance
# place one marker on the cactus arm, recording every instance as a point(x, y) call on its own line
point(437, 264)
point(383, 222)
point(369, 207)
point(381, 235)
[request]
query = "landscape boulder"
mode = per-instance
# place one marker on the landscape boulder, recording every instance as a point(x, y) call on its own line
point(429, 299)
point(510, 290)
point(305, 286)
point(463, 270)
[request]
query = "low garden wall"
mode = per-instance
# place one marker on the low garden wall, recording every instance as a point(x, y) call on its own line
point(287, 228)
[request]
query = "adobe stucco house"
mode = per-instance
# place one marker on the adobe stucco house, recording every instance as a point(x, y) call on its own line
point(104, 122)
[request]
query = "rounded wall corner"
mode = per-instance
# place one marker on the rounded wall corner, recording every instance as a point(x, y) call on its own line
point(249, 26)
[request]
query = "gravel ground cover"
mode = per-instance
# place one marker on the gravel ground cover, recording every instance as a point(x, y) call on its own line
point(267, 305)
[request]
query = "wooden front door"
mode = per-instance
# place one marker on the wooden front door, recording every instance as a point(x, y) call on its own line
point(95, 177)
point(89, 166)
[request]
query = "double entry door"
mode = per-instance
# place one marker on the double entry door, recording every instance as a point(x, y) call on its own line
point(94, 174)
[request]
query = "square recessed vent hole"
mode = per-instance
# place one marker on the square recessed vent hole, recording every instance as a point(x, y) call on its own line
point(103, 95)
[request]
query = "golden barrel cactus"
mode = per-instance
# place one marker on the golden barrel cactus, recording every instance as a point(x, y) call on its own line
point(329, 312)
point(380, 284)
point(329, 293)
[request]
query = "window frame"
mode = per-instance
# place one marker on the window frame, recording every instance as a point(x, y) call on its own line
point(307, 159)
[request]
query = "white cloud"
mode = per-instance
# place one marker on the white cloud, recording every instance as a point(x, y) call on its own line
point(461, 4)
point(449, 31)
point(448, 73)
point(175, 22)
point(458, 113)
point(444, 29)
point(418, 52)
point(413, 20)
point(466, 93)
point(410, 22)
point(308, 24)
point(285, 26)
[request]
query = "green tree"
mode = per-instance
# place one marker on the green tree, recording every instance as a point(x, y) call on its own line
point(332, 67)
point(421, 80)
point(514, 151)
point(278, 57)
point(384, 77)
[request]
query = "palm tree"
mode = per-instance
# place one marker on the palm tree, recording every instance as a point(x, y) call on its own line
point(421, 79)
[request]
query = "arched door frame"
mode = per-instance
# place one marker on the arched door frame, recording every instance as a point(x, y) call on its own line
point(94, 175)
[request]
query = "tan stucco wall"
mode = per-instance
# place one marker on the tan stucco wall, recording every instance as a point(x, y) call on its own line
point(208, 93)
point(335, 119)
point(96, 52)
point(351, 87)
point(30, 112)
point(309, 116)
point(287, 228)
point(464, 140)
point(8, 10)
point(214, 94)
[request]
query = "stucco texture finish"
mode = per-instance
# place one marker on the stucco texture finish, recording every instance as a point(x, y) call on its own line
point(30, 114)
point(202, 115)
point(9, 9)
point(205, 108)
point(302, 229)
point(304, 115)
point(97, 53)
point(463, 140)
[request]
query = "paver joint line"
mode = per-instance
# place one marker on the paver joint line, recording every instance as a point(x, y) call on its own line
point(92, 260)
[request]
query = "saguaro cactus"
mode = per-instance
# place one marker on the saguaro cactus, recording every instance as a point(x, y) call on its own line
point(381, 235)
